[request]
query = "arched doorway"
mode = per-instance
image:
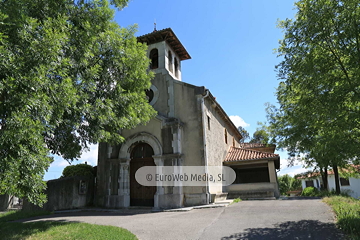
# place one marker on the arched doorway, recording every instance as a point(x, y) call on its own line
point(140, 195)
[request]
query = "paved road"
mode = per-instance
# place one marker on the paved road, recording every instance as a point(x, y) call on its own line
point(270, 219)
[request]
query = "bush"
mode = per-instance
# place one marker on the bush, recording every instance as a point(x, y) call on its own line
point(236, 200)
point(310, 192)
point(78, 170)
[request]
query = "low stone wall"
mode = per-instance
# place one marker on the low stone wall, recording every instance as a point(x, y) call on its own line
point(252, 190)
point(66, 193)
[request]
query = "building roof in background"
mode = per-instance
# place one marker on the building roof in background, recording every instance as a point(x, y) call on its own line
point(329, 172)
point(259, 147)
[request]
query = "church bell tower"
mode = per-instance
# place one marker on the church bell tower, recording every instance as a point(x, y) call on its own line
point(165, 52)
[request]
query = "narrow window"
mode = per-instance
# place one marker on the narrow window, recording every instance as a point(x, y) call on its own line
point(233, 142)
point(208, 120)
point(154, 57)
point(170, 62)
point(176, 64)
point(344, 182)
point(226, 137)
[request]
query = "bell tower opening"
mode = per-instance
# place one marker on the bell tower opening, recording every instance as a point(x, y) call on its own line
point(165, 52)
point(154, 57)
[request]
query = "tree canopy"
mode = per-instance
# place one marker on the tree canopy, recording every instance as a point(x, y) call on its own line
point(245, 134)
point(319, 94)
point(288, 183)
point(69, 77)
point(262, 134)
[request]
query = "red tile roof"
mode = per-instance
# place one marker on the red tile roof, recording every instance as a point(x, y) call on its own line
point(311, 175)
point(329, 172)
point(241, 154)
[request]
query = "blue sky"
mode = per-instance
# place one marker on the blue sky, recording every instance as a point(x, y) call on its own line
point(231, 44)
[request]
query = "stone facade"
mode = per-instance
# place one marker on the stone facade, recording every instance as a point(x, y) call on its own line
point(190, 129)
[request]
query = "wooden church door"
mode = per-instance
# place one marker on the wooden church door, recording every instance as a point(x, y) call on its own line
point(141, 195)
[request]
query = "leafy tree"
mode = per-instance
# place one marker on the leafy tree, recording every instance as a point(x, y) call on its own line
point(78, 170)
point(319, 96)
point(288, 183)
point(245, 134)
point(261, 135)
point(69, 76)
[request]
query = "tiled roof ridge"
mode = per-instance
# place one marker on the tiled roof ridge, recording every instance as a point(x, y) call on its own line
point(252, 150)
point(252, 154)
point(162, 30)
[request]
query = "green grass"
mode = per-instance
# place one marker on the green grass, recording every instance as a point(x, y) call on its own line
point(55, 229)
point(236, 200)
point(347, 211)
point(16, 215)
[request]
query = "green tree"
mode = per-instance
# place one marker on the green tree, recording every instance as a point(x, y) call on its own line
point(319, 94)
point(69, 76)
point(245, 134)
point(78, 170)
point(288, 183)
point(261, 135)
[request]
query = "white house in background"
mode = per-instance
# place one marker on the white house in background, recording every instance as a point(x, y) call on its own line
point(351, 185)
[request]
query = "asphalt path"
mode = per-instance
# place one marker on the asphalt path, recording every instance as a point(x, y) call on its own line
point(263, 219)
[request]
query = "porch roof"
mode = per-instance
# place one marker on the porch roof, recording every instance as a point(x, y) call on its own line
point(242, 154)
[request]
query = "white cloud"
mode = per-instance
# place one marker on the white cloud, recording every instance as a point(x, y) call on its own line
point(292, 170)
point(90, 156)
point(238, 121)
point(59, 162)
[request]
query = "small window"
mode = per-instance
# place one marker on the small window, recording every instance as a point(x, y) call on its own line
point(344, 182)
point(309, 183)
point(170, 62)
point(233, 142)
point(176, 65)
point(154, 57)
point(208, 120)
point(226, 137)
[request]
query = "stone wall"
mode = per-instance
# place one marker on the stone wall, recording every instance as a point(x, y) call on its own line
point(66, 193)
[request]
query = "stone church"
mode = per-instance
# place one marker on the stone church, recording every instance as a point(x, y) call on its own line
point(190, 129)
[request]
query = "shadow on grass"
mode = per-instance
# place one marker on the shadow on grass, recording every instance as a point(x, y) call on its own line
point(305, 229)
point(89, 212)
point(17, 230)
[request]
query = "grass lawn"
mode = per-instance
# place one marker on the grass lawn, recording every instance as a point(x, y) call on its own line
point(56, 229)
point(347, 211)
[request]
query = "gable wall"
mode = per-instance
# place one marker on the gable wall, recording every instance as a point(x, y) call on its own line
point(187, 109)
point(216, 146)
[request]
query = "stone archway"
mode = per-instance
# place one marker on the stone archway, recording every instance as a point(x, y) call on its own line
point(125, 161)
point(148, 138)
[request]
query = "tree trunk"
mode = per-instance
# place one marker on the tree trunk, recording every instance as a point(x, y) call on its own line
point(324, 175)
point(337, 183)
point(325, 180)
